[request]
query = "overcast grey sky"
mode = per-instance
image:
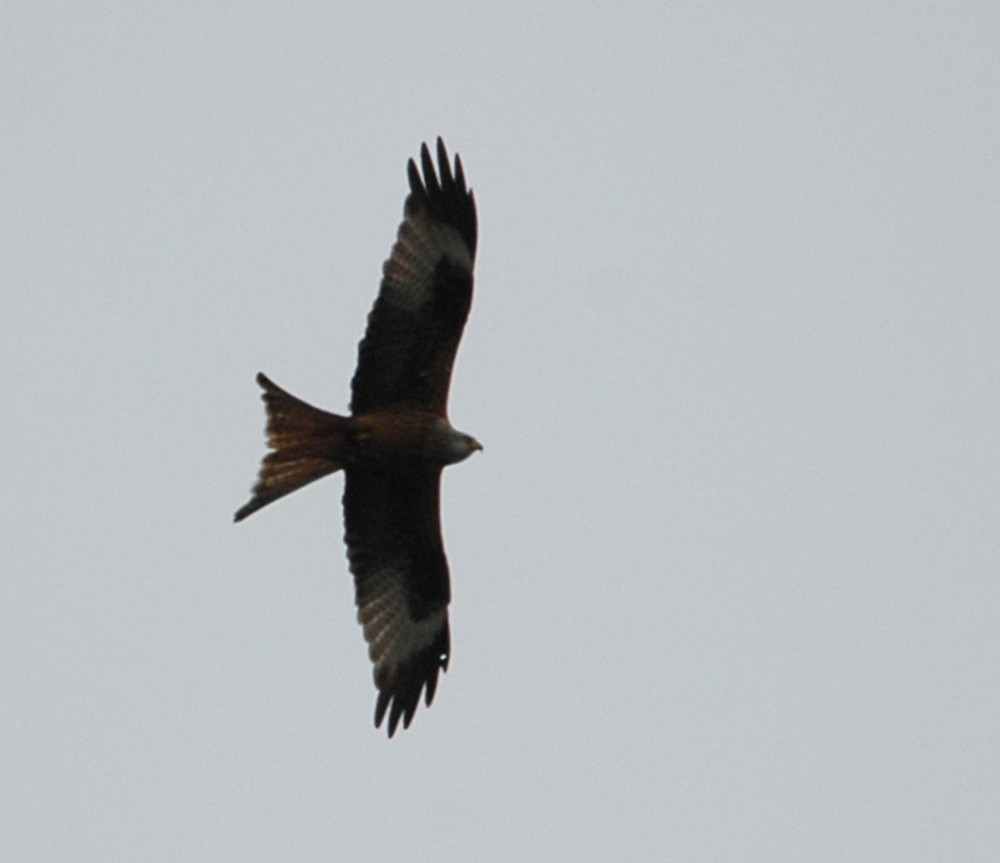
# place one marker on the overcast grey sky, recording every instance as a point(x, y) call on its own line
point(726, 575)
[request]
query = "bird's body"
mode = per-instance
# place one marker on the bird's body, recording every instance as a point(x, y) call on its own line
point(394, 445)
point(384, 438)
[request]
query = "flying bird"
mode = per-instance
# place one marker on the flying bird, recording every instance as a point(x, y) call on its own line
point(396, 441)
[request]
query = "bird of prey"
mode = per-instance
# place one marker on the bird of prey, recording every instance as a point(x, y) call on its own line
point(396, 441)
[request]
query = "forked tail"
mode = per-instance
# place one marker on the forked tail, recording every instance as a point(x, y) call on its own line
point(307, 443)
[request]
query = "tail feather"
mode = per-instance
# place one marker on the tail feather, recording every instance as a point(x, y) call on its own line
point(307, 443)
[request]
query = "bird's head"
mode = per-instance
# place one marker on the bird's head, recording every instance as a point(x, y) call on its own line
point(458, 446)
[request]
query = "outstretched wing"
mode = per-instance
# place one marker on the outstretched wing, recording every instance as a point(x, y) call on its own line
point(393, 536)
point(415, 325)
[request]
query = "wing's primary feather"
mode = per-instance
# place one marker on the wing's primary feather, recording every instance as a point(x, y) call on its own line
point(416, 323)
point(393, 536)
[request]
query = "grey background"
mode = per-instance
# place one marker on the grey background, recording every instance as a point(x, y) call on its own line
point(725, 577)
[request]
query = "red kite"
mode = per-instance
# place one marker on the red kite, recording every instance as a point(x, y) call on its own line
point(394, 445)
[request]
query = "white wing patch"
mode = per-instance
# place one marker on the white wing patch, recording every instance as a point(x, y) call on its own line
point(420, 245)
point(393, 636)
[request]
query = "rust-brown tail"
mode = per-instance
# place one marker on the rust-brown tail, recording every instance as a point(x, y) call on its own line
point(307, 443)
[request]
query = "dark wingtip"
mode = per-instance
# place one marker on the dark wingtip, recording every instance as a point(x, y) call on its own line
point(413, 175)
point(430, 176)
point(418, 677)
point(447, 198)
point(443, 167)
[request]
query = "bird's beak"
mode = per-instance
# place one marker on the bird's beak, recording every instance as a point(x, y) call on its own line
point(477, 445)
